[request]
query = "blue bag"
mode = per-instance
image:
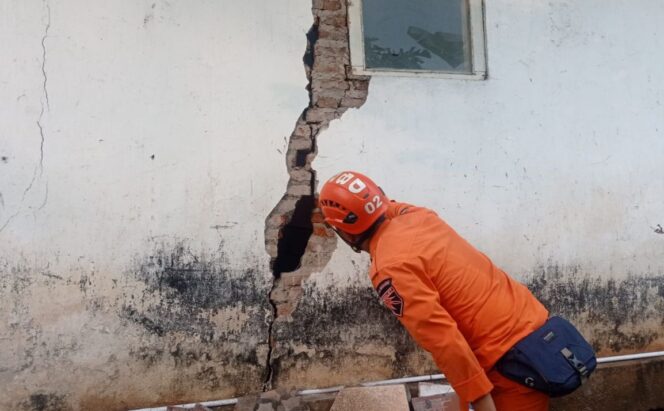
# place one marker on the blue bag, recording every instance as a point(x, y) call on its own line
point(554, 359)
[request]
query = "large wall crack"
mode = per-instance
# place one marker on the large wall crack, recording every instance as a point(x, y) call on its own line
point(295, 237)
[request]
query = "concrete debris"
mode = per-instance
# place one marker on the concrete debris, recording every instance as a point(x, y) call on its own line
point(440, 402)
point(387, 398)
point(247, 403)
point(319, 402)
point(427, 389)
point(432, 397)
point(274, 400)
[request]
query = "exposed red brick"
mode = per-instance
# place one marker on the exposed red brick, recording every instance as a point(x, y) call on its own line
point(333, 55)
point(352, 102)
point(333, 90)
point(318, 115)
point(332, 33)
point(299, 143)
point(328, 102)
point(331, 71)
point(299, 189)
point(361, 94)
point(322, 231)
point(329, 85)
point(331, 44)
point(317, 217)
point(360, 84)
point(331, 5)
point(333, 20)
point(285, 309)
point(302, 130)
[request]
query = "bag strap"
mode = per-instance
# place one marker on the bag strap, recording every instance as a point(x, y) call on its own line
point(574, 362)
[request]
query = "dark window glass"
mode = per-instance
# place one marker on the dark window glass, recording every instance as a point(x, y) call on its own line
point(417, 35)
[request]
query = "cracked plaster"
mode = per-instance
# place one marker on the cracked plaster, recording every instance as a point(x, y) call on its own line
point(332, 90)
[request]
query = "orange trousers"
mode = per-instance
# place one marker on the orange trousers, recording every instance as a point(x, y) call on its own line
point(509, 395)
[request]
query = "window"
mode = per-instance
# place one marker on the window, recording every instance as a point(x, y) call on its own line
point(441, 38)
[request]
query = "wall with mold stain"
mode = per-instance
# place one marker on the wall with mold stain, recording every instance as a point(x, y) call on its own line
point(552, 166)
point(142, 146)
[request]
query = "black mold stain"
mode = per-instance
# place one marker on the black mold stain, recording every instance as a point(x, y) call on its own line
point(83, 283)
point(659, 229)
point(4, 159)
point(208, 378)
point(607, 304)
point(148, 355)
point(187, 358)
point(183, 291)
point(189, 289)
point(45, 402)
point(335, 323)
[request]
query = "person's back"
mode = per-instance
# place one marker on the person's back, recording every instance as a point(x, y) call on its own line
point(492, 310)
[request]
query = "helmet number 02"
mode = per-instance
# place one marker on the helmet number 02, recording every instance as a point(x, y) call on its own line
point(372, 205)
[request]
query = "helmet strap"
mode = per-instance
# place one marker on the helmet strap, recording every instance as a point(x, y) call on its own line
point(357, 241)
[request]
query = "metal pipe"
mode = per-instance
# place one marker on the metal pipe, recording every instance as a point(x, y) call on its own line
point(216, 403)
point(630, 357)
point(405, 380)
point(320, 390)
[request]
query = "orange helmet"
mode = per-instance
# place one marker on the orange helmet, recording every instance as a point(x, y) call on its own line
point(351, 202)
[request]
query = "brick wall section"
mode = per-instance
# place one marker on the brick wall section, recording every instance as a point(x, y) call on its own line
point(332, 90)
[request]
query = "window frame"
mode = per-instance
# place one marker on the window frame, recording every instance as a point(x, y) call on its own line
point(477, 47)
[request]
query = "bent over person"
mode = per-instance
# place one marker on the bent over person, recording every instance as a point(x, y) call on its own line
point(450, 297)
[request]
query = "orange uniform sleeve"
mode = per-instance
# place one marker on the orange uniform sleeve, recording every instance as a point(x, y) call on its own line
point(409, 293)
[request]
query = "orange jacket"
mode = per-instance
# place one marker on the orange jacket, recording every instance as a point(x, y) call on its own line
point(450, 297)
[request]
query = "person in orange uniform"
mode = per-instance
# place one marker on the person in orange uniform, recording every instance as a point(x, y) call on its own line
point(450, 297)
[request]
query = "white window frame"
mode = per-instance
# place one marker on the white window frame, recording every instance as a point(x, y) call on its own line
point(477, 47)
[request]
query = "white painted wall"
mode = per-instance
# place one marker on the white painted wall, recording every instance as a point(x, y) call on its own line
point(209, 88)
point(557, 158)
point(200, 86)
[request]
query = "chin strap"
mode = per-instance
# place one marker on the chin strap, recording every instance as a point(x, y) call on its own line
point(362, 237)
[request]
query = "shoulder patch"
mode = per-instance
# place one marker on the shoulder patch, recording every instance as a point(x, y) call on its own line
point(390, 297)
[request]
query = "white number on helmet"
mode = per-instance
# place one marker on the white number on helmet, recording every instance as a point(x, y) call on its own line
point(373, 205)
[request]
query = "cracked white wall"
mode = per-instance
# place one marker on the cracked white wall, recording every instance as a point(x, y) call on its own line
point(122, 125)
point(553, 166)
point(557, 157)
point(141, 141)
